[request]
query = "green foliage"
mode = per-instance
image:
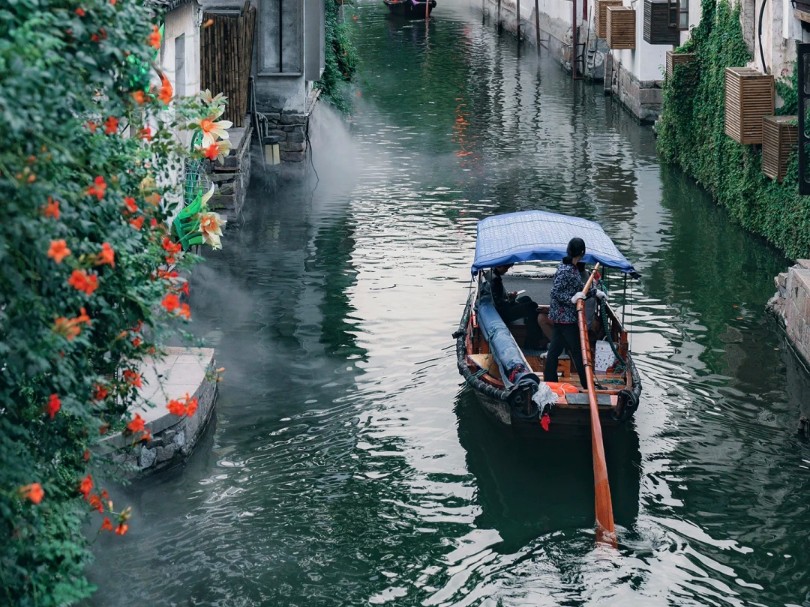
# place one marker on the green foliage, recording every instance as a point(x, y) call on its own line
point(77, 168)
point(691, 133)
point(340, 58)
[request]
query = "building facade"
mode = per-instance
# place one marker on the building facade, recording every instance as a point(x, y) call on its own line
point(634, 71)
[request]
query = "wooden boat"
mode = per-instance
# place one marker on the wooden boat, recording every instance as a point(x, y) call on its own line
point(508, 377)
point(411, 9)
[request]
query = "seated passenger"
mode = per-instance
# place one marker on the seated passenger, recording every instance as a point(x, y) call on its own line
point(511, 307)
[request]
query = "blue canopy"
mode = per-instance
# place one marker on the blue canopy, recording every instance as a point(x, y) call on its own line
point(542, 236)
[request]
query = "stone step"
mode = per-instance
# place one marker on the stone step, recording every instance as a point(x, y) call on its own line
point(222, 202)
point(223, 176)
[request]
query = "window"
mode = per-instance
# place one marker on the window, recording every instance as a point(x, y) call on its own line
point(678, 14)
point(683, 15)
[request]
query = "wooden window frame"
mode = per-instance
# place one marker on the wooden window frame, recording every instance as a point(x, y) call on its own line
point(679, 14)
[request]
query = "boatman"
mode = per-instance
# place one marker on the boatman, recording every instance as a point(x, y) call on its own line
point(565, 293)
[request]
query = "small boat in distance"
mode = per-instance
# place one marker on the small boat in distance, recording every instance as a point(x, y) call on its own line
point(410, 9)
point(506, 376)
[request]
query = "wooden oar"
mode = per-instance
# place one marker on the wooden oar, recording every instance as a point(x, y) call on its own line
point(605, 529)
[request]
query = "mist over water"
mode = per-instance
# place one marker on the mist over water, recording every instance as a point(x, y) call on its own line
point(347, 465)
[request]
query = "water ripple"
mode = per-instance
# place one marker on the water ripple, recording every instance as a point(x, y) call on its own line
point(347, 464)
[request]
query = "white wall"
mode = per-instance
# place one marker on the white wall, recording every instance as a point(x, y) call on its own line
point(183, 21)
point(646, 61)
point(780, 32)
point(695, 13)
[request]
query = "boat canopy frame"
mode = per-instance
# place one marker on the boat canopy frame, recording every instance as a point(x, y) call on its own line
point(542, 236)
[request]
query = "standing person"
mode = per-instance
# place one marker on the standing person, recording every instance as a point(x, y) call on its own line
point(511, 307)
point(565, 293)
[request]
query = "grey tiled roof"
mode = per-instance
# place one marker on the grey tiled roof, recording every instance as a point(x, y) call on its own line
point(169, 5)
point(227, 5)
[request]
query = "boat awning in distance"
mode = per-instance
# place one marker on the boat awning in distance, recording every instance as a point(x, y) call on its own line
point(542, 236)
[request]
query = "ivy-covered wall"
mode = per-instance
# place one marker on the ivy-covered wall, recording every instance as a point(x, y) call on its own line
point(691, 134)
point(340, 57)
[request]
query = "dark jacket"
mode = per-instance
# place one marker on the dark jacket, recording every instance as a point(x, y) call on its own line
point(567, 282)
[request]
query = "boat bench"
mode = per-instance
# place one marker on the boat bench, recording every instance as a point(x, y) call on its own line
point(537, 362)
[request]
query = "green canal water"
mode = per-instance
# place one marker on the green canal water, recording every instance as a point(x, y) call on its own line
point(347, 465)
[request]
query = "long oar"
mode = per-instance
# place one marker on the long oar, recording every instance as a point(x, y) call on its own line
point(605, 530)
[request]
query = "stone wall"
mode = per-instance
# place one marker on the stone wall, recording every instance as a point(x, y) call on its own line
point(791, 304)
point(291, 128)
point(183, 371)
point(643, 99)
point(232, 177)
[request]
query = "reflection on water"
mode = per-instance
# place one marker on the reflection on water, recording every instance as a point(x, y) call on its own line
point(347, 464)
point(528, 488)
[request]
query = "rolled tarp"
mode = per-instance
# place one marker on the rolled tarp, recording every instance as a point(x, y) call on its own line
point(515, 370)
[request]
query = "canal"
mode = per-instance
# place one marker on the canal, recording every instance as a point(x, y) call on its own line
point(347, 465)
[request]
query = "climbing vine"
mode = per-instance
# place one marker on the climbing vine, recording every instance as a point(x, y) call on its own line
point(340, 58)
point(90, 270)
point(691, 134)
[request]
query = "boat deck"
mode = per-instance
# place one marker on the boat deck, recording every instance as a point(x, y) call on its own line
point(606, 397)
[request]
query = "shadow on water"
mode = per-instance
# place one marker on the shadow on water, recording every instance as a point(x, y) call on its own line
point(528, 488)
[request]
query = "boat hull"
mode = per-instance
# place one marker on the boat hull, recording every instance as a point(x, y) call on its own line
point(410, 9)
point(565, 423)
point(570, 418)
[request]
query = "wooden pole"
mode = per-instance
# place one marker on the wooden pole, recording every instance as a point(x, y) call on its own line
point(518, 21)
point(537, 23)
point(574, 40)
point(605, 528)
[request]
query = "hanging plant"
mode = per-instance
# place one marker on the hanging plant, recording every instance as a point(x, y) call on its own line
point(691, 134)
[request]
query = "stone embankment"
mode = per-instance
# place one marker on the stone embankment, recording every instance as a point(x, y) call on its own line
point(232, 177)
point(791, 305)
point(184, 372)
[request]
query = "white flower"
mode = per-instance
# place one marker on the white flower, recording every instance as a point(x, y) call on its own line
point(210, 99)
point(214, 130)
point(211, 224)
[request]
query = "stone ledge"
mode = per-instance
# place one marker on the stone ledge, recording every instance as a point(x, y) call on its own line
point(183, 371)
point(233, 177)
point(791, 305)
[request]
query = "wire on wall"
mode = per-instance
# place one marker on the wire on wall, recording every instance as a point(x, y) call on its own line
point(761, 51)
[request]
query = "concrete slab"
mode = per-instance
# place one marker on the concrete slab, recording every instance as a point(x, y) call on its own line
point(182, 372)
